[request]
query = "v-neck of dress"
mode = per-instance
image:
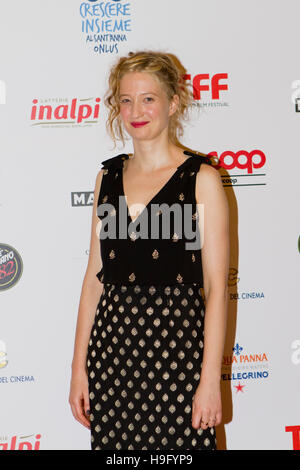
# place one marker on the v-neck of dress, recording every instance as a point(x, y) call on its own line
point(166, 184)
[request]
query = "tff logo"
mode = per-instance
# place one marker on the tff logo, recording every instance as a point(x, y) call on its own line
point(213, 84)
point(295, 430)
point(242, 159)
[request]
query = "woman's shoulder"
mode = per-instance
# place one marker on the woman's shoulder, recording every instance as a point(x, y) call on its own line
point(197, 160)
point(115, 162)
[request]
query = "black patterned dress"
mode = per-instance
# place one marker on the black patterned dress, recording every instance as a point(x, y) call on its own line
point(145, 351)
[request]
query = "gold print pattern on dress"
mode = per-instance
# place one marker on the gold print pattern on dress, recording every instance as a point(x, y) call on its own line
point(140, 338)
point(133, 236)
point(104, 199)
point(112, 254)
point(193, 258)
point(131, 277)
point(155, 254)
point(179, 278)
point(175, 237)
point(181, 197)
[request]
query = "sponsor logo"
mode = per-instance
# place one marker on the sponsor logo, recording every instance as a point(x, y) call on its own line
point(2, 92)
point(211, 86)
point(11, 266)
point(295, 97)
point(105, 25)
point(295, 358)
point(29, 442)
point(82, 198)
point(243, 365)
point(3, 355)
point(248, 167)
point(233, 280)
point(295, 430)
point(59, 112)
point(4, 362)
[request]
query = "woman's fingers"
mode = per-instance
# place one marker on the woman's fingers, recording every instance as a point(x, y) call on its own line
point(204, 419)
point(78, 412)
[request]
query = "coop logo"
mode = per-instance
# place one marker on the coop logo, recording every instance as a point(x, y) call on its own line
point(3, 355)
point(11, 266)
point(57, 112)
point(105, 25)
point(242, 365)
point(295, 97)
point(295, 431)
point(248, 167)
point(29, 442)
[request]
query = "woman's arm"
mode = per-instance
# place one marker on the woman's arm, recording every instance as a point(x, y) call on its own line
point(215, 264)
point(90, 295)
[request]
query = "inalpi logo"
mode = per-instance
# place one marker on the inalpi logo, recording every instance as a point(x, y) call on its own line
point(29, 442)
point(54, 111)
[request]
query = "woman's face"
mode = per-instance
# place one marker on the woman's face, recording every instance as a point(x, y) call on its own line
point(144, 105)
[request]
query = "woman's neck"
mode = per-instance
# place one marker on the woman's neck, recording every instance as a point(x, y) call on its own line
point(149, 155)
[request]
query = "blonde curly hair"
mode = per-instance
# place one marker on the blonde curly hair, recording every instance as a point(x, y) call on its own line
point(169, 73)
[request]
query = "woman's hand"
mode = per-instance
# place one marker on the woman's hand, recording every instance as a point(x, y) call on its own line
point(207, 406)
point(79, 398)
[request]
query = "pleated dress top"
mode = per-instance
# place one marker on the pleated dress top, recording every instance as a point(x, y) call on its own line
point(145, 350)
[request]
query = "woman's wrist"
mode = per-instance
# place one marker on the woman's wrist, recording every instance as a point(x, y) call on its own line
point(78, 367)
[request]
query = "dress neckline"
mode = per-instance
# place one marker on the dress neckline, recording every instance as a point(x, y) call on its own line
point(182, 165)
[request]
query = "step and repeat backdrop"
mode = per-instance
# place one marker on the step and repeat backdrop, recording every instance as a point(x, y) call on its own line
point(241, 58)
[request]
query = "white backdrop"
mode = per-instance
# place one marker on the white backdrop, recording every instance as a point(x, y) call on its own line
point(53, 52)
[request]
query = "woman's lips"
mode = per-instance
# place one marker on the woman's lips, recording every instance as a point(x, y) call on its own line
point(139, 124)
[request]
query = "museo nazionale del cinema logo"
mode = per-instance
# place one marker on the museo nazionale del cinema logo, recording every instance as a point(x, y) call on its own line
point(105, 25)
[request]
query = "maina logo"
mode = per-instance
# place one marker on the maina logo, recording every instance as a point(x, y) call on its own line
point(32, 442)
point(47, 114)
point(244, 366)
point(82, 198)
point(3, 355)
point(11, 266)
point(105, 24)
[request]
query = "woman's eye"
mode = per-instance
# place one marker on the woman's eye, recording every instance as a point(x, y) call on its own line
point(149, 98)
point(124, 100)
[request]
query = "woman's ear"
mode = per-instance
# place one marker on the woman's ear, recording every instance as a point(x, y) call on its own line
point(174, 103)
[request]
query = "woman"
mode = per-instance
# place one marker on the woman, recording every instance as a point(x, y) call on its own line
point(142, 375)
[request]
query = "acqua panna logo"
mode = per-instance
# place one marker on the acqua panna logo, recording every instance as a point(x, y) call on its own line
point(242, 365)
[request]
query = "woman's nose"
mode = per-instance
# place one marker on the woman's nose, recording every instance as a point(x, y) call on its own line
point(136, 109)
